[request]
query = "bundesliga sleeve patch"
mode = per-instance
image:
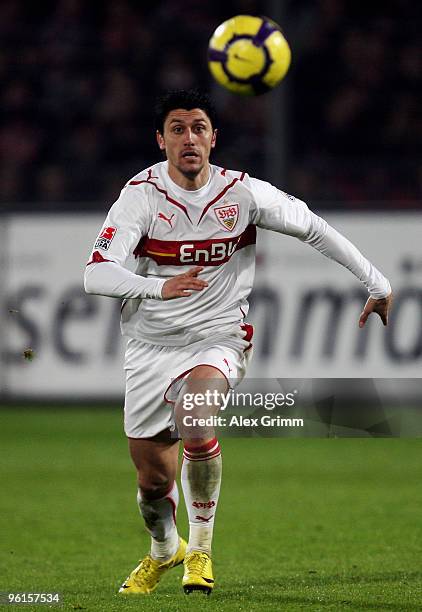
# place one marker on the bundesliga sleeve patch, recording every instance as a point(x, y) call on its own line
point(105, 238)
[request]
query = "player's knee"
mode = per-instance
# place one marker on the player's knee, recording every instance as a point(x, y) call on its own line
point(153, 486)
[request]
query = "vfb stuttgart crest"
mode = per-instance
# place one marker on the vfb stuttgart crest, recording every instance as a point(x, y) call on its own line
point(228, 215)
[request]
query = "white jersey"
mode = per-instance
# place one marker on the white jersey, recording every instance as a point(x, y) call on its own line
point(156, 230)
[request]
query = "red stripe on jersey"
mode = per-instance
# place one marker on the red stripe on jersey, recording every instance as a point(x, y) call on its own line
point(165, 194)
point(182, 206)
point(140, 247)
point(97, 258)
point(150, 175)
point(218, 197)
point(213, 252)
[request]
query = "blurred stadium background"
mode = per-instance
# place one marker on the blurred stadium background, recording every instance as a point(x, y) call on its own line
point(342, 132)
point(79, 79)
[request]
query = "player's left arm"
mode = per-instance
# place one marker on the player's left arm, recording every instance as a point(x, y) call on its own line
point(380, 306)
point(283, 213)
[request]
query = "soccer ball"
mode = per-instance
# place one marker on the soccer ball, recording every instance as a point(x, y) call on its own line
point(248, 55)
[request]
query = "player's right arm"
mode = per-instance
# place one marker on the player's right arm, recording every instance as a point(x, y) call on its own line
point(182, 285)
point(108, 270)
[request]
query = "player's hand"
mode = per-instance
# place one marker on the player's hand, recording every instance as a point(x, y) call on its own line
point(381, 307)
point(182, 285)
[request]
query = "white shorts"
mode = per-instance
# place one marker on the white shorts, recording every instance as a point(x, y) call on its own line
point(155, 374)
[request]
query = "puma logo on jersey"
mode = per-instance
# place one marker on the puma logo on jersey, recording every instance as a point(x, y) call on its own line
point(168, 219)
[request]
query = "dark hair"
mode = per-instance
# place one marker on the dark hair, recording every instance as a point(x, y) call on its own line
point(183, 98)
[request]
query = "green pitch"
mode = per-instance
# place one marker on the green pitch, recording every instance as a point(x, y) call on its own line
point(303, 524)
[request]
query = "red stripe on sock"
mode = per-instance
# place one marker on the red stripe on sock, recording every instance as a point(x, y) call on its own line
point(212, 450)
point(206, 458)
point(191, 448)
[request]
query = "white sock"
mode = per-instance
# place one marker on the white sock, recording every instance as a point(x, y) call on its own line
point(201, 480)
point(160, 521)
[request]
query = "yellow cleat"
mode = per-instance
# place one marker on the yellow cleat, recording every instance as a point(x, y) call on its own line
point(198, 574)
point(145, 577)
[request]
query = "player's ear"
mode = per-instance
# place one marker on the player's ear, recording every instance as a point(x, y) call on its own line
point(213, 139)
point(160, 140)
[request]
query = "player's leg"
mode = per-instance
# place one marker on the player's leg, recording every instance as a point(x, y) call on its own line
point(201, 472)
point(156, 462)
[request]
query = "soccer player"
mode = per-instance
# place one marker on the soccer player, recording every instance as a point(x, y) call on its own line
point(179, 247)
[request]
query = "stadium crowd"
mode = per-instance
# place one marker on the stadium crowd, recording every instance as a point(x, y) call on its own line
point(79, 80)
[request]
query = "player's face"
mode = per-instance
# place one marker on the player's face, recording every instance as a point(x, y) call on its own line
point(187, 139)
